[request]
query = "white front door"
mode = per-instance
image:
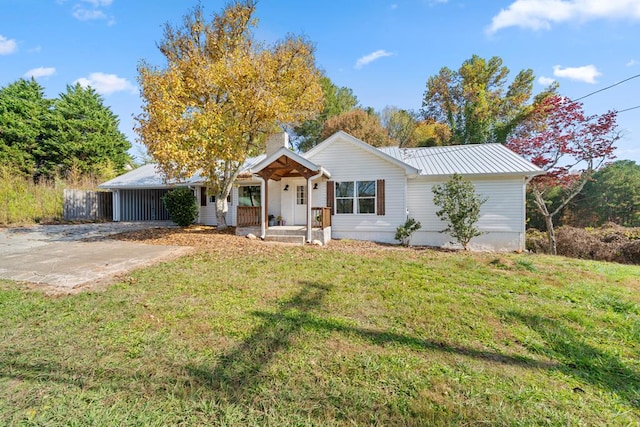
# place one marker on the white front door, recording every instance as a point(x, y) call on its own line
point(300, 203)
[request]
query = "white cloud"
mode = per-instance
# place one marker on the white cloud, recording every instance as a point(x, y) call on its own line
point(98, 3)
point(367, 59)
point(7, 46)
point(89, 10)
point(586, 73)
point(545, 81)
point(83, 14)
point(631, 63)
point(106, 84)
point(540, 14)
point(39, 72)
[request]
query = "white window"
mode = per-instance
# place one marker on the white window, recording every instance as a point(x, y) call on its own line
point(356, 197)
point(301, 195)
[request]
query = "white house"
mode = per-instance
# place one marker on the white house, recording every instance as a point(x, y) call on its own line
point(346, 189)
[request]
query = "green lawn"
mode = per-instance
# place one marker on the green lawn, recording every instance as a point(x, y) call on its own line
point(278, 335)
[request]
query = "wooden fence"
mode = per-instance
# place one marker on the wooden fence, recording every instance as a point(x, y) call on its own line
point(88, 205)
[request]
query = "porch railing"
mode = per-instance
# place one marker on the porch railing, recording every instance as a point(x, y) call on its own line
point(321, 217)
point(248, 216)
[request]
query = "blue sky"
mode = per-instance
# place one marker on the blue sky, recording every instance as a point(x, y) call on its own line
point(383, 50)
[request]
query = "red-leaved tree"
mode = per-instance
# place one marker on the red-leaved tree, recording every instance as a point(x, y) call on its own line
point(569, 146)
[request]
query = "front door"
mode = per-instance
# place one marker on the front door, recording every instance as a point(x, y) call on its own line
point(300, 203)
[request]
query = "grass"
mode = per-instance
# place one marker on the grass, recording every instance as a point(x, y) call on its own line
point(22, 201)
point(291, 336)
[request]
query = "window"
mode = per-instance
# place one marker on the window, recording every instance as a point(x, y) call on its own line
point(301, 195)
point(356, 197)
point(212, 199)
point(249, 195)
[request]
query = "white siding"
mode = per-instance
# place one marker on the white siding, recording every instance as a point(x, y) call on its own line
point(347, 162)
point(501, 217)
point(207, 214)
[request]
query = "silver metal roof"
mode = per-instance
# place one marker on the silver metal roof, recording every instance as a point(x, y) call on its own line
point(473, 159)
point(150, 176)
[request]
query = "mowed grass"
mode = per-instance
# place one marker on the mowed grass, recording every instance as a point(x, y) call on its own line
point(296, 336)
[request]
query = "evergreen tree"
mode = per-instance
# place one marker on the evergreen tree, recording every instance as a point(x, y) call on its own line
point(87, 136)
point(25, 121)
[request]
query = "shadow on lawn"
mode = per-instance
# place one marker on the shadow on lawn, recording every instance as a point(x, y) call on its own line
point(239, 371)
point(579, 359)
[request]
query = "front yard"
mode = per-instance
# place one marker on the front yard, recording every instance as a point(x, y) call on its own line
point(249, 333)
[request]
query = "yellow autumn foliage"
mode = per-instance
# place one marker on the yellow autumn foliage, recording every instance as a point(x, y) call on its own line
point(221, 94)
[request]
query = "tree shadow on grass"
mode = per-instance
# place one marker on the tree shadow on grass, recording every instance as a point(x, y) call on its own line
point(238, 373)
point(579, 359)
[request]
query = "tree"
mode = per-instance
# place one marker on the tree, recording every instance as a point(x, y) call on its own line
point(476, 102)
point(25, 118)
point(220, 94)
point(400, 126)
point(337, 100)
point(611, 195)
point(569, 146)
point(87, 136)
point(363, 125)
point(459, 207)
point(429, 133)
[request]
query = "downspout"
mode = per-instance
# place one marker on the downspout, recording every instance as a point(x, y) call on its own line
point(309, 219)
point(263, 229)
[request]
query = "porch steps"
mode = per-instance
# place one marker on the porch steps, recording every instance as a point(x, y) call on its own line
point(285, 238)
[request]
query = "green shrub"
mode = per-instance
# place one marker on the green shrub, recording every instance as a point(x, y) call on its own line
point(404, 231)
point(181, 206)
point(459, 207)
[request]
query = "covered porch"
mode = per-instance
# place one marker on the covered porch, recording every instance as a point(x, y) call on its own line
point(312, 222)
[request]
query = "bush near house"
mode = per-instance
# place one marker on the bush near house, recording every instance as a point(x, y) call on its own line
point(610, 242)
point(181, 206)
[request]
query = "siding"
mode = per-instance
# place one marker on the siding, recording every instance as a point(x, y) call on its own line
point(501, 217)
point(207, 214)
point(347, 162)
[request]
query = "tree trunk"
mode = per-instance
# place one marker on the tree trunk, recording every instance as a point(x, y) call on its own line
point(548, 218)
point(551, 234)
point(221, 211)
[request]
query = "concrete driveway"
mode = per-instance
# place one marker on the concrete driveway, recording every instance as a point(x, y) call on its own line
point(68, 257)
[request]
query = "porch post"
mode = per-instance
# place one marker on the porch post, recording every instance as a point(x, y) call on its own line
point(309, 219)
point(263, 227)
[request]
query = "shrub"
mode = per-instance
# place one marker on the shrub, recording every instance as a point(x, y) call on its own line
point(404, 231)
point(181, 206)
point(459, 207)
point(610, 242)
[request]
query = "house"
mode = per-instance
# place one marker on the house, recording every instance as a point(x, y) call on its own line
point(346, 189)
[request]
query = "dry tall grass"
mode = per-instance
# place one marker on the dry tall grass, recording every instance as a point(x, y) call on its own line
point(24, 202)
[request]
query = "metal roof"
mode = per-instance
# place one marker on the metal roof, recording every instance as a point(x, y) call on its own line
point(473, 159)
point(150, 176)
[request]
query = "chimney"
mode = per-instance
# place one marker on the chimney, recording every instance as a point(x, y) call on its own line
point(277, 141)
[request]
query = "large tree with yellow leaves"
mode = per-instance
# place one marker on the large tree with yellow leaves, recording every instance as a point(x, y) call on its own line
point(220, 94)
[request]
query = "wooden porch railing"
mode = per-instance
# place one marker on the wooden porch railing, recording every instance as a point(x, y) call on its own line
point(248, 216)
point(321, 217)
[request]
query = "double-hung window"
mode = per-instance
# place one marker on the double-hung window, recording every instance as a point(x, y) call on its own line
point(356, 197)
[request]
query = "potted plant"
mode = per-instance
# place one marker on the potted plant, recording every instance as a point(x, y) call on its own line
point(280, 220)
point(272, 220)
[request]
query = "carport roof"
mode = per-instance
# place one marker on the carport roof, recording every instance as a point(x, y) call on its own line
point(150, 176)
